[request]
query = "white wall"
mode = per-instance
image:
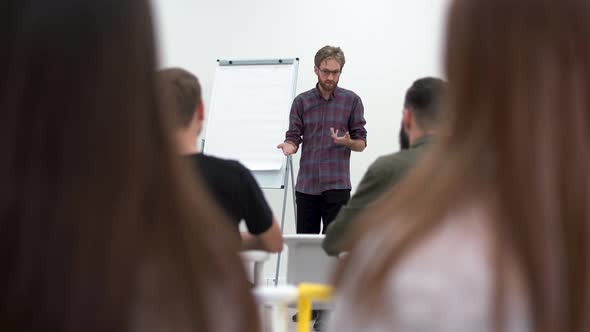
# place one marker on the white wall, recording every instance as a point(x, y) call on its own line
point(387, 44)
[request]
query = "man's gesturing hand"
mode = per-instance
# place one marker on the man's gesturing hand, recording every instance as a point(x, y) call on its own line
point(288, 148)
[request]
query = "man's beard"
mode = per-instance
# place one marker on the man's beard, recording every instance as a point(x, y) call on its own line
point(328, 87)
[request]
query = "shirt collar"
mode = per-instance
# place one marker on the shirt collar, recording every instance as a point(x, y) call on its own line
point(319, 93)
point(426, 139)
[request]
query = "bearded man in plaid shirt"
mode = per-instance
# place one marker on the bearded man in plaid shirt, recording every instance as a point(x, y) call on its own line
point(327, 122)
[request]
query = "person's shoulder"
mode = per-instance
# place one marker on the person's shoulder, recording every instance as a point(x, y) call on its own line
point(304, 98)
point(392, 161)
point(389, 158)
point(446, 269)
point(218, 163)
point(450, 266)
point(464, 225)
point(346, 93)
point(306, 94)
point(406, 157)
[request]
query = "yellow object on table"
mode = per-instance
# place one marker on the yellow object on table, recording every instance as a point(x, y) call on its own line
point(307, 294)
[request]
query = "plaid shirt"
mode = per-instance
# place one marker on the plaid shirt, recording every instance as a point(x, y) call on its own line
point(324, 165)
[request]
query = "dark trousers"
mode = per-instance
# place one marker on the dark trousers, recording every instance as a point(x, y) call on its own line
point(313, 208)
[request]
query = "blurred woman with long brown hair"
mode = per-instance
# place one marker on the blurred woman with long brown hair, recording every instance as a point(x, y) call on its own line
point(491, 231)
point(101, 228)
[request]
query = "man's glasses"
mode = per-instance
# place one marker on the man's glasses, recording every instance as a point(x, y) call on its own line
point(326, 72)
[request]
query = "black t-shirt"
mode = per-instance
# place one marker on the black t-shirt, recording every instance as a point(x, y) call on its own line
point(235, 190)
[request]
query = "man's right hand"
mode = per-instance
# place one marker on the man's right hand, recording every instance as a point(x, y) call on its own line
point(288, 148)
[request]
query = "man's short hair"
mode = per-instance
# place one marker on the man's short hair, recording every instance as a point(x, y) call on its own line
point(329, 52)
point(181, 94)
point(425, 99)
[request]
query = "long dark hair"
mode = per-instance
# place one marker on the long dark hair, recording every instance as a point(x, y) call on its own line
point(518, 134)
point(101, 228)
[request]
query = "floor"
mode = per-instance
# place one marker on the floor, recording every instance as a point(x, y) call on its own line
point(291, 326)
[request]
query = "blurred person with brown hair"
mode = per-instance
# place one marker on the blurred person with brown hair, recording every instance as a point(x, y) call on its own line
point(101, 227)
point(232, 185)
point(491, 231)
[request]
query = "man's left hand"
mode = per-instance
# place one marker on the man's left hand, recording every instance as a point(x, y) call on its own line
point(341, 140)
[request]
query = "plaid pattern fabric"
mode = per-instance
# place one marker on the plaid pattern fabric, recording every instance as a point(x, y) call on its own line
point(324, 165)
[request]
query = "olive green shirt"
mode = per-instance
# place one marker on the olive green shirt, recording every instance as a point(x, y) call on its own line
point(385, 172)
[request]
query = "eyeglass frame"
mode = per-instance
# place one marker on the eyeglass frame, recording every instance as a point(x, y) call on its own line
point(326, 73)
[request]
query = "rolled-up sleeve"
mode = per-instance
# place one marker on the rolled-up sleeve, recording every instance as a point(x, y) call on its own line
point(295, 123)
point(357, 121)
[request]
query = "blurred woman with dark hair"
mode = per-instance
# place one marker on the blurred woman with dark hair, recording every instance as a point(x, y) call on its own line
point(491, 232)
point(101, 229)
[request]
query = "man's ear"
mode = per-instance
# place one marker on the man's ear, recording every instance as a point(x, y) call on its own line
point(200, 112)
point(407, 119)
point(199, 117)
point(316, 70)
